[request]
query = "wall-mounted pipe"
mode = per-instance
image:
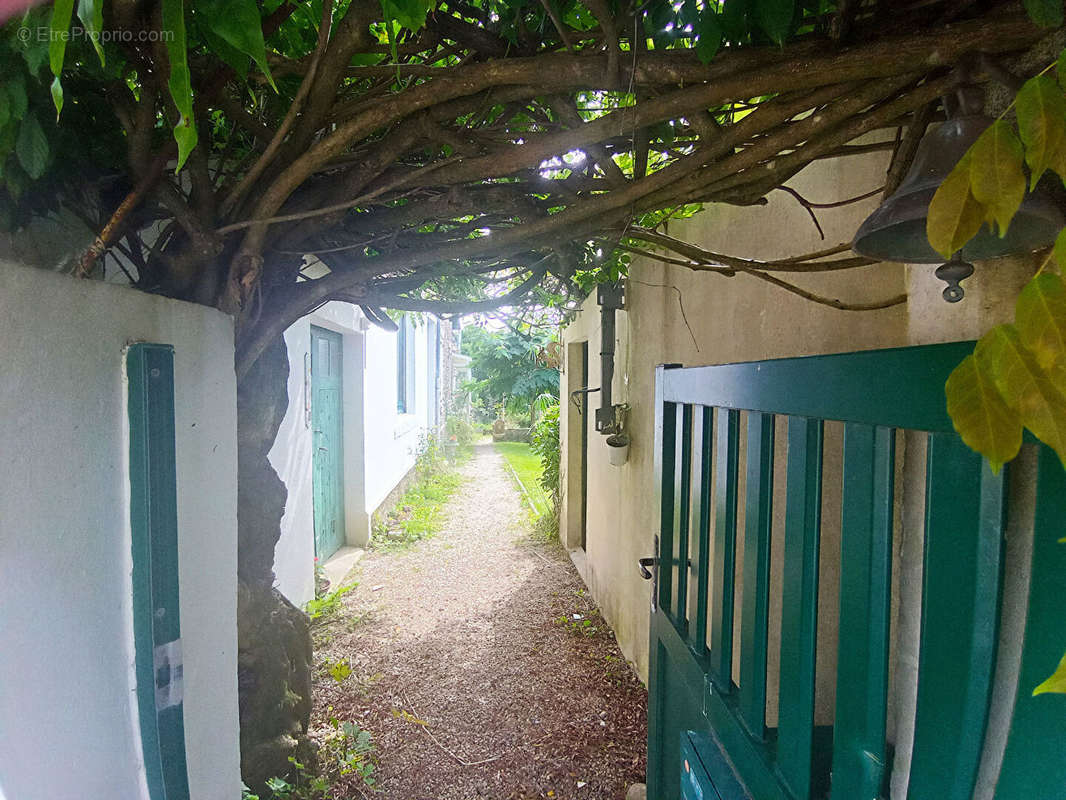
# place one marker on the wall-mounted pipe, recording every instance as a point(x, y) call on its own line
point(610, 297)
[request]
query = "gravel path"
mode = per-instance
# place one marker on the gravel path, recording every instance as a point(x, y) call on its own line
point(479, 664)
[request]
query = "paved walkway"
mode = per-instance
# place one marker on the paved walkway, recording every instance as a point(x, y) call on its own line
point(479, 664)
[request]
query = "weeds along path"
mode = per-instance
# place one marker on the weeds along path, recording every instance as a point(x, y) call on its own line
point(478, 664)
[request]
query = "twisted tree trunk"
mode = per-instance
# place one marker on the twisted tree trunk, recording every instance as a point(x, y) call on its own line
point(273, 636)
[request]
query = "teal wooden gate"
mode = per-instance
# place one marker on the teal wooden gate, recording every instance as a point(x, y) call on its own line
point(708, 734)
point(327, 440)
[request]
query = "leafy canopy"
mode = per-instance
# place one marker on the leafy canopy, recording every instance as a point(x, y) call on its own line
point(443, 155)
point(507, 370)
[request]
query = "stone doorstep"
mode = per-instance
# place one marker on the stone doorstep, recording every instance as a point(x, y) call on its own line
point(339, 564)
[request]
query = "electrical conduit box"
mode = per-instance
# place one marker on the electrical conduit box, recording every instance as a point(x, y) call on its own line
point(705, 772)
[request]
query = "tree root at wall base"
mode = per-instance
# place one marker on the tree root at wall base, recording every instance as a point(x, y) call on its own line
point(274, 683)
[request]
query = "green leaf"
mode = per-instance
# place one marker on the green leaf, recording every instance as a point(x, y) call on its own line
point(179, 83)
point(91, 14)
point(340, 670)
point(16, 93)
point(1025, 386)
point(1046, 13)
point(1060, 68)
point(1041, 109)
point(1040, 318)
point(5, 108)
point(979, 414)
point(1056, 682)
point(996, 177)
point(955, 216)
point(411, 14)
point(15, 180)
point(186, 136)
point(57, 95)
point(1059, 251)
point(62, 12)
point(32, 147)
point(237, 22)
point(237, 60)
point(775, 18)
point(735, 21)
point(8, 135)
point(709, 36)
point(35, 54)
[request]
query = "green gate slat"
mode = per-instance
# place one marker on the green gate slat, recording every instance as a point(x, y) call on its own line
point(964, 518)
point(895, 388)
point(682, 502)
point(727, 450)
point(703, 438)
point(665, 452)
point(1033, 764)
point(799, 604)
point(154, 534)
point(758, 517)
point(865, 582)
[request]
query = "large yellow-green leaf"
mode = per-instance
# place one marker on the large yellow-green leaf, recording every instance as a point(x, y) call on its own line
point(1056, 682)
point(1059, 250)
point(1041, 109)
point(955, 216)
point(996, 177)
point(981, 417)
point(1040, 318)
point(1025, 386)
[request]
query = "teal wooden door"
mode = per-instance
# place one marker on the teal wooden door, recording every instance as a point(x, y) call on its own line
point(327, 425)
point(708, 731)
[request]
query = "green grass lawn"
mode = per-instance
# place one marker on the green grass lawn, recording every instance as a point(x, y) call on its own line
point(526, 465)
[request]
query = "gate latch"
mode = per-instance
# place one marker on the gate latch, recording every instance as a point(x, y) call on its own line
point(644, 563)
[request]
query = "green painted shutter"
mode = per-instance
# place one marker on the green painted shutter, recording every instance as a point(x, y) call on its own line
point(154, 523)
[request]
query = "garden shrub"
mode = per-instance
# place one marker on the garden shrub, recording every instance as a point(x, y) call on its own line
point(544, 441)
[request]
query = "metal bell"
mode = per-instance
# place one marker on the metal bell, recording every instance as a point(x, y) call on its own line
point(896, 230)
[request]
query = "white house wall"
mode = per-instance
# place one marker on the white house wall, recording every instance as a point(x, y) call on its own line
point(392, 438)
point(68, 728)
point(380, 444)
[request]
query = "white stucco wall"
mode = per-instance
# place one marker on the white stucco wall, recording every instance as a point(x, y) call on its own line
point(391, 438)
point(68, 728)
point(379, 443)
